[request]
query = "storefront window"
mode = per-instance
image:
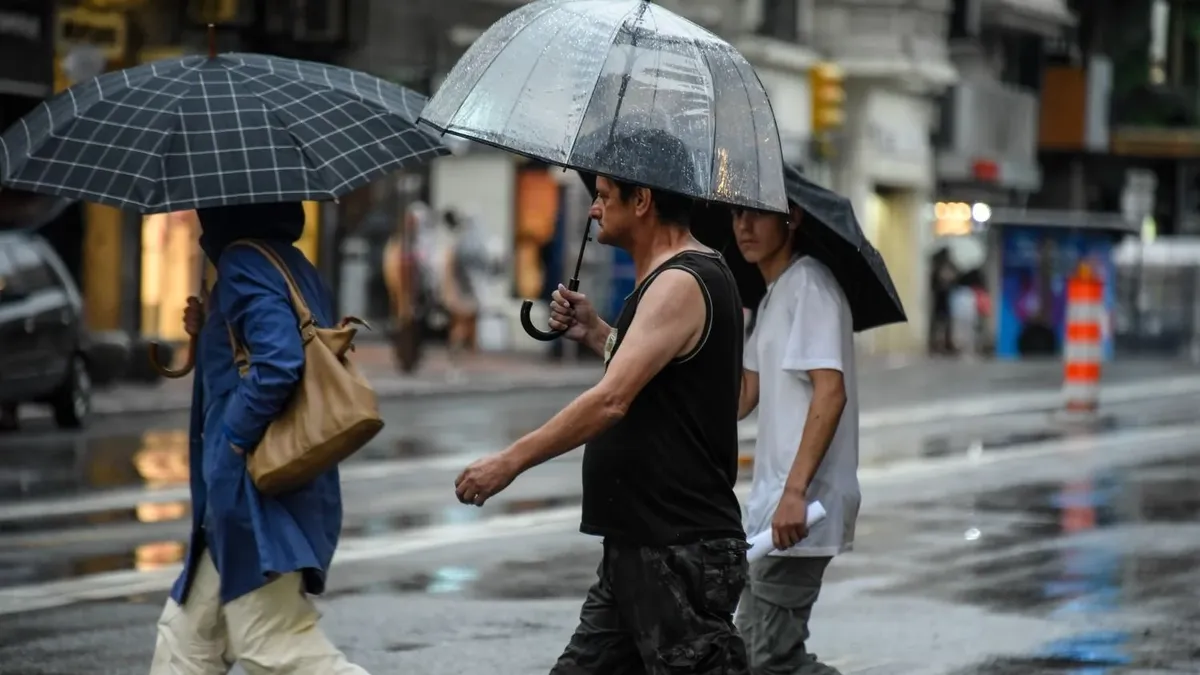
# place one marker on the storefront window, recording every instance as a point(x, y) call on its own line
point(171, 261)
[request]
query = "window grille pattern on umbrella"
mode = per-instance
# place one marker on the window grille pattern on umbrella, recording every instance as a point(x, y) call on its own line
point(220, 130)
point(564, 81)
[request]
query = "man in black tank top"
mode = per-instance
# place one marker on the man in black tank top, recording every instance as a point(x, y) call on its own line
point(661, 457)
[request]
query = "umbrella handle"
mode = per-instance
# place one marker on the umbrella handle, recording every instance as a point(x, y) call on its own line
point(573, 285)
point(168, 372)
point(535, 332)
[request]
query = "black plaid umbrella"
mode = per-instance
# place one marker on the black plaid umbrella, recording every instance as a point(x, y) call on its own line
point(220, 130)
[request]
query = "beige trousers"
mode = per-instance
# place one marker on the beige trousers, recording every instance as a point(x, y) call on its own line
point(271, 631)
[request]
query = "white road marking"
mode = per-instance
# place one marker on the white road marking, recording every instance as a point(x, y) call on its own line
point(121, 584)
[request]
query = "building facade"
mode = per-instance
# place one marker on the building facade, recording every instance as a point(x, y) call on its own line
point(896, 66)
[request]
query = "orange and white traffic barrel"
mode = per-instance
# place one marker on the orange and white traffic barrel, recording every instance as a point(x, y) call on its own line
point(1083, 347)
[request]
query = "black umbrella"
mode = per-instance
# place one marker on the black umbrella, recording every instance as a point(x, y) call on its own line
point(221, 130)
point(829, 232)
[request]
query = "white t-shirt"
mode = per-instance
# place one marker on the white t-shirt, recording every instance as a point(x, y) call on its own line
point(804, 324)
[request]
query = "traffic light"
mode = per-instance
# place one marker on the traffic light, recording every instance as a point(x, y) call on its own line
point(828, 97)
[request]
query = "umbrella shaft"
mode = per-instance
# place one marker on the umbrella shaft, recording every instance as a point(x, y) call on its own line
point(587, 228)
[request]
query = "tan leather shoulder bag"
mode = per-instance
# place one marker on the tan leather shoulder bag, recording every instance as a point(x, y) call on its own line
point(333, 413)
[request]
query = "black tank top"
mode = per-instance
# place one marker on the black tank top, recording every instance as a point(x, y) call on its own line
point(664, 474)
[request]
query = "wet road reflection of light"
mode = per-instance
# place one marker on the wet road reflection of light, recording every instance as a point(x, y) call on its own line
point(158, 512)
point(162, 459)
point(157, 555)
point(1043, 549)
point(451, 579)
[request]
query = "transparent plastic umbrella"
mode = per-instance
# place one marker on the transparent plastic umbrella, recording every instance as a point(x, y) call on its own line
point(575, 83)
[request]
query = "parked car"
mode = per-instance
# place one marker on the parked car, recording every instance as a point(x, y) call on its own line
point(43, 342)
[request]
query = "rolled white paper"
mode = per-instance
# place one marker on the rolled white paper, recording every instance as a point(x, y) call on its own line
point(761, 544)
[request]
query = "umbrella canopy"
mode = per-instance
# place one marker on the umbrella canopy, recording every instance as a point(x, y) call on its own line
point(580, 83)
point(829, 232)
point(211, 131)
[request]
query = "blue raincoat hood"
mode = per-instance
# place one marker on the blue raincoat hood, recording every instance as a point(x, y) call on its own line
point(220, 226)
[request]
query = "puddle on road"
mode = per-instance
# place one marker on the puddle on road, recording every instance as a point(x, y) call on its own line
point(52, 560)
point(143, 557)
point(58, 466)
point(946, 445)
point(1040, 549)
point(1170, 649)
point(71, 466)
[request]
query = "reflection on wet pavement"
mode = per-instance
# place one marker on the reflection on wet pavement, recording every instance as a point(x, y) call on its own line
point(564, 575)
point(24, 559)
point(1041, 549)
point(154, 459)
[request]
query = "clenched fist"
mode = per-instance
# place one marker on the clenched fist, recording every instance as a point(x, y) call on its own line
point(193, 316)
point(572, 312)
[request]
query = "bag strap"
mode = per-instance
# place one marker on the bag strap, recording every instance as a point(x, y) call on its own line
point(302, 311)
point(241, 356)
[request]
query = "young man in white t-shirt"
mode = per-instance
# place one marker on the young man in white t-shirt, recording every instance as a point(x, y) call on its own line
point(799, 373)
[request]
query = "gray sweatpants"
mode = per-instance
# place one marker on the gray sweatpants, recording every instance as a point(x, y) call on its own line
point(774, 612)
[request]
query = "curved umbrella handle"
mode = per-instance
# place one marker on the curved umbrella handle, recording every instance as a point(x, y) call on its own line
point(533, 331)
point(168, 372)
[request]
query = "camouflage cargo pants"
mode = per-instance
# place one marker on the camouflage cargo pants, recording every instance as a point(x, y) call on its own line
point(773, 617)
point(660, 611)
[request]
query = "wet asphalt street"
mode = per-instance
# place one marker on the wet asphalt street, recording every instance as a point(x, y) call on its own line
point(994, 545)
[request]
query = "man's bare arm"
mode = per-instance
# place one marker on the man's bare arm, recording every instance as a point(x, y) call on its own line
point(669, 322)
point(597, 336)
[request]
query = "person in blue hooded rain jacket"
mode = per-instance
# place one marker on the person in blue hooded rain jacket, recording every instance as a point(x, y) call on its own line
point(253, 560)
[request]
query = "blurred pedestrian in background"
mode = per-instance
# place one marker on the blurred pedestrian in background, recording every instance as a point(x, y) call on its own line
point(943, 278)
point(410, 280)
point(406, 270)
point(253, 560)
point(800, 374)
point(464, 268)
point(970, 308)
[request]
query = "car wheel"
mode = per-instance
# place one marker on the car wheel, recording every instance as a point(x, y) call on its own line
point(73, 402)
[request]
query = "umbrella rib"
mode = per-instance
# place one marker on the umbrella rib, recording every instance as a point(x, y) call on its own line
point(491, 62)
point(252, 84)
point(140, 74)
point(753, 125)
point(599, 74)
point(657, 64)
point(529, 74)
point(161, 156)
point(712, 160)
